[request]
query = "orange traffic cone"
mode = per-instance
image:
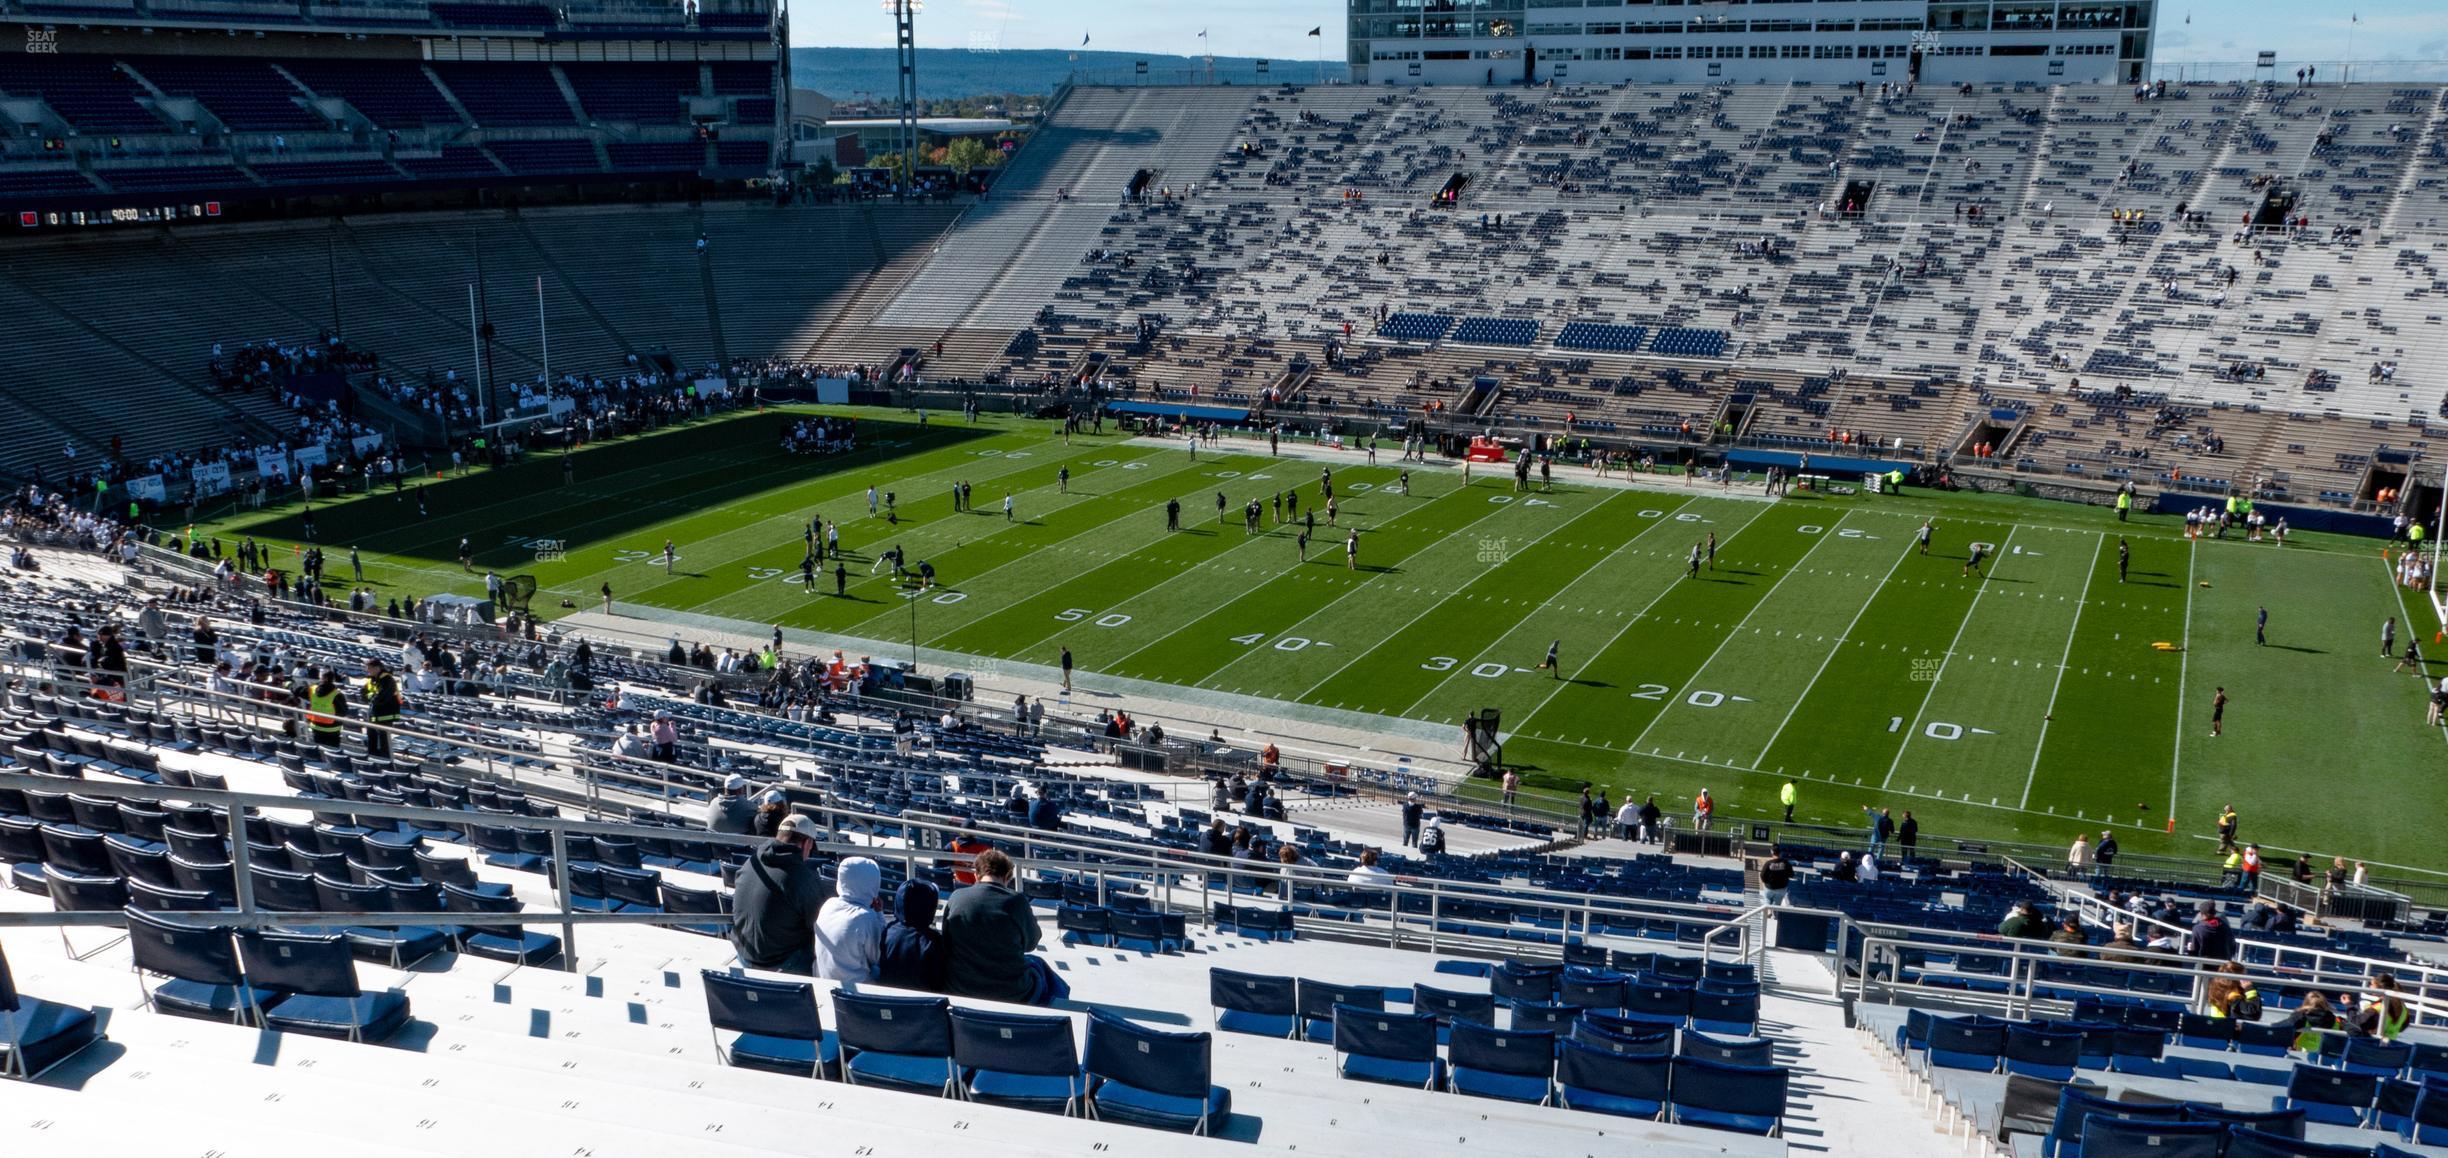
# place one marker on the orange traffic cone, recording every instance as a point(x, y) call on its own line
point(2171, 824)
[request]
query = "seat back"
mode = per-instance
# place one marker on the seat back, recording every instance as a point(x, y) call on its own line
point(683, 899)
point(2322, 1086)
point(1408, 1037)
point(1528, 1054)
point(1747, 1098)
point(1317, 999)
point(1252, 993)
point(206, 954)
point(1582, 1066)
point(2043, 1052)
point(1736, 1012)
point(921, 1026)
point(2107, 1137)
point(1523, 981)
point(1447, 1005)
point(2245, 1142)
point(2285, 1123)
point(1965, 1044)
point(1013, 1043)
point(767, 1008)
point(317, 965)
point(1591, 989)
point(1728, 1051)
point(639, 887)
point(157, 899)
point(1658, 998)
point(283, 892)
point(77, 893)
point(1174, 1064)
point(1637, 1040)
point(2075, 1106)
point(2370, 1055)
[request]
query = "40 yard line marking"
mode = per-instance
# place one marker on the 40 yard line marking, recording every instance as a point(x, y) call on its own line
point(2184, 656)
point(2062, 661)
point(1825, 537)
point(1841, 637)
point(1944, 660)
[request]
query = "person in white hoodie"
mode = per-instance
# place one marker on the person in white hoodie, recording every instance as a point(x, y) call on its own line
point(849, 932)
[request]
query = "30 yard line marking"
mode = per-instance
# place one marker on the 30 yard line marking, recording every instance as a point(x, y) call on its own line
point(2062, 661)
point(1940, 675)
point(1841, 637)
point(2184, 656)
point(1825, 537)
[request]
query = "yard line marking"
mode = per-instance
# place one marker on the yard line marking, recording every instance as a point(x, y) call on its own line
point(1390, 637)
point(1665, 517)
point(1824, 538)
point(1940, 675)
point(2062, 661)
point(2184, 658)
point(1636, 617)
point(1841, 637)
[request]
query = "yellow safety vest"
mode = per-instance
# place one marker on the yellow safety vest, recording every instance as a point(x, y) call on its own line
point(323, 710)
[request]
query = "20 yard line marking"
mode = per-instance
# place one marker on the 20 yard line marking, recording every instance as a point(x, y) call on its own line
point(1825, 537)
point(2184, 657)
point(1841, 637)
point(1943, 660)
point(2062, 661)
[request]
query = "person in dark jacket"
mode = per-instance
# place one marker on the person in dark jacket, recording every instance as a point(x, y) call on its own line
point(1219, 842)
point(1046, 815)
point(2211, 937)
point(2105, 852)
point(988, 931)
point(1776, 875)
point(1908, 834)
point(2023, 922)
point(1412, 812)
point(913, 951)
point(773, 908)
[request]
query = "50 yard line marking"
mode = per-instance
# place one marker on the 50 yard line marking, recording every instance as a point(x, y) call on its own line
point(2184, 657)
point(2062, 661)
point(1825, 537)
point(1944, 660)
point(1909, 544)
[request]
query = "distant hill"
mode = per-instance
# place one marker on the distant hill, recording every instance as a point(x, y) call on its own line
point(951, 73)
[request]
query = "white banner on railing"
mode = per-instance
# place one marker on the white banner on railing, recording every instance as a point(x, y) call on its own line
point(713, 387)
point(212, 478)
point(833, 391)
point(306, 456)
point(149, 488)
point(365, 444)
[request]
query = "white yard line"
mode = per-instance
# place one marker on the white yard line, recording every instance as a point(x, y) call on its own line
point(1909, 544)
point(1372, 649)
point(1825, 537)
point(1665, 518)
point(2068, 657)
point(1940, 675)
point(1636, 617)
point(2184, 657)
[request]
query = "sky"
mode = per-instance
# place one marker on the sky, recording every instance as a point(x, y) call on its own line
point(2219, 30)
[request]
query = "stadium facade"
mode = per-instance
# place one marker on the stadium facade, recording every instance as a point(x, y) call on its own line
point(1828, 42)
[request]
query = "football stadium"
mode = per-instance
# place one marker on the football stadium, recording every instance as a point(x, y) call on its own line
point(1854, 577)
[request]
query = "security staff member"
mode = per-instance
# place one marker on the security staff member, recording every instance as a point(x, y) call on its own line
point(382, 706)
point(324, 708)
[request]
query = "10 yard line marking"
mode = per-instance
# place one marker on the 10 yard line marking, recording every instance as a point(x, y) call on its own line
point(2062, 661)
point(2184, 657)
point(1847, 633)
point(1825, 537)
point(1945, 659)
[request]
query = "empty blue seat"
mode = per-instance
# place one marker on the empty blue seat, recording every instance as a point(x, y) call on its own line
point(1148, 931)
point(1016, 1059)
point(2076, 1107)
point(36, 1035)
point(1399, 1048)
point(778, 1027)
point(2327, 1095)
point(2428, 1123)
point(1448, 1006)
point(2367, 1055)
point(2283, 1123)
point(1590, 1077)
point(2144, 1052)
point(1152, 1077)
point(1718, 1011)
point(1083, 924)
point(1659, 1002)
point(1591, 989)
point(1963, 1043)
point(1254, 1003)
point(1636, 1040)
point(2110, 1137)
point(316, 979)
point(200, 962)
point(1750, 1099)
point(896, 1042)
point(1513, 1065)
point(2041, 1053)
point(499, 942)
point(1517, 981)
point(2244, 1142)
point(1317, 1001)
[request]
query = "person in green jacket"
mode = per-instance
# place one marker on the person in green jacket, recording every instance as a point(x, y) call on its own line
point(1785, 796)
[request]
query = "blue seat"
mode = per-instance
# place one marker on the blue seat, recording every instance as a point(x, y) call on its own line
point(2283, 1123)
point(1512, 1065)
point(2035, 1052)
point(1149, 932)
point(2257, 1039)
point(1962, 1043)
point(2245, 1142)
point(1591, 989)
point(1152, 1077)
point(2366, 1055)
point(1593, 1078)
point(2110, 1137)
point(1448, 1007)
point(1397, 1048)
point(1020, 1060)
point(2201, 1031)
point(2076, 1107)
point(1516, 982)
point(779, 1029)
point(1084, 924)
point(1636, 1041)
point(1317, 1001)
point(632, 890)
point(2428, 1124)
point(200, 962)
point(2327, 1095)
point(2393, 1106)
point(1254, 1003)
point(398, 947)
point(2143, 1052)
point(1733, 1051)
point(316, 979)
point(1749, 1099)
point(1718, 1011)
point(897, 1042)
point(1658, 1002)
point(36, 1035)
point(512, 943)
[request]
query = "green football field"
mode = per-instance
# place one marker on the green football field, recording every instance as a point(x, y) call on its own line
point(1822, 647)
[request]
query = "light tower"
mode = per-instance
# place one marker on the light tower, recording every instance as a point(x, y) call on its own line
point(905, 51)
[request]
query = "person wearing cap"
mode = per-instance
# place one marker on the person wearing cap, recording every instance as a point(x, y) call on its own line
point(731, 811)
point(774, 905)
point(1411, 813)
point(772, 806)
point(2211, 937)
point(383, 705)
point(849, 932)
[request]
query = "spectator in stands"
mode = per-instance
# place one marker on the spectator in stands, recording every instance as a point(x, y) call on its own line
point(2383, 1015)
point(1219, 842)
point(1412, 811)
point(988, 932)
point(965, 850)
point(2104, 853)
point(2312, 1017)
point(2211, 937)
point(2078, 857)
point(731, 810)
point(1627, 820)
point(1432, 836)
point(2123, 940)
point(664, 737)
point(774, 906)
point(914, 955)
point(1367, 872)
point(1046, 814)
point(1882, 826)
point(772, 806)
point(1847, 870)
point(1908, 834)
point(849, 938)
point(1776, 874)
point(2069, 932)
point(2022, 922)
point(1652, 818)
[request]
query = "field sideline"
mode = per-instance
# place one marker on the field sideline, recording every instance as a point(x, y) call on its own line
point(1822, 645)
